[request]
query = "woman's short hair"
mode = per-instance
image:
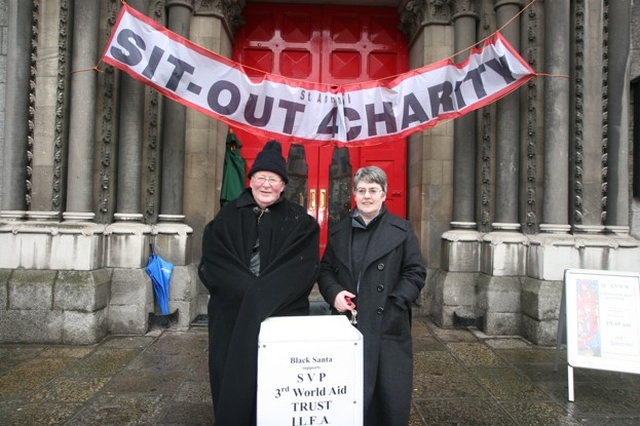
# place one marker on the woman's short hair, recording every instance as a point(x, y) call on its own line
point(371, 174)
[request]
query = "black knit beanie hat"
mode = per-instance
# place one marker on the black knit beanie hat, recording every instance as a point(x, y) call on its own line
point(270, 159)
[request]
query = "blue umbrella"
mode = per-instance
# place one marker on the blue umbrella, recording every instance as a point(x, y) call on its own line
point(160, 272)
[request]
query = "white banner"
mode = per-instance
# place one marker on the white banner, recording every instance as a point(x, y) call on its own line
point(305, 112)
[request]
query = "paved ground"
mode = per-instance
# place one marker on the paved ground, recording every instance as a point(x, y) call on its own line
point(462, 377)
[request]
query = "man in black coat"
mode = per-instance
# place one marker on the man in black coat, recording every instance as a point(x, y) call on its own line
point(259, 259)
point(373, 264)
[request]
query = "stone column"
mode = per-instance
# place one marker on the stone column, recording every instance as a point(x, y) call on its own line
point(85, 55)
point(557, 48)
point(618, 126)
point(14, 168)
point(50, 104)
point(171, 234)
point(212, 27)
point(130, 140)
point(587, 197)
point(507, 132)
point(504, 251)
point(464, 128)
point(174, 127)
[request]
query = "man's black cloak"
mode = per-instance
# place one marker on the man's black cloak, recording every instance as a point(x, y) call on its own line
point(240, 301)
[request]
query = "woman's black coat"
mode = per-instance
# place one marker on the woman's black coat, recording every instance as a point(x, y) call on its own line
point(240, 301)
point(393, 275)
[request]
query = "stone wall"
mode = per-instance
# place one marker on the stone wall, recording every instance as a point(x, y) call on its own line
point(74, 283)
point(82, 307)
point(518, 288)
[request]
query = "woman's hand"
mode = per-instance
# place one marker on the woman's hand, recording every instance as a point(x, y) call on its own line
point(343, 301)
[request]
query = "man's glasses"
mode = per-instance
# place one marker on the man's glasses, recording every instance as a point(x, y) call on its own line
point(372, 191)
point(262, 179)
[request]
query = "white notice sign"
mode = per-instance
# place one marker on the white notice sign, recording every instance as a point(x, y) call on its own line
point(603, 320)
point(309, 372)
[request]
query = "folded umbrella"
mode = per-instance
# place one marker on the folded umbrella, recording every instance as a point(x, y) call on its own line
point(233, 172)
point(160, 272)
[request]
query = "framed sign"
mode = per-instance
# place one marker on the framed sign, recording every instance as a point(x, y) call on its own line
point(603, 320)
point(310, 372)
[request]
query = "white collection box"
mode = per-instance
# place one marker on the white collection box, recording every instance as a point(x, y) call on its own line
point(309, 372)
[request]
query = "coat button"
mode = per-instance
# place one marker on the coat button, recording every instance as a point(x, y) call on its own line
point(380, 266)
point(380, 288)
point(380, 311)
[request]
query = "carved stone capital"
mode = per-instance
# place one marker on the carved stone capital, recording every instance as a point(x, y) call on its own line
point(229, 11)
point(420, 13)
point(462, 8)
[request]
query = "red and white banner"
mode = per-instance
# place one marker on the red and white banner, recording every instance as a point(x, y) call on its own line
point(287, 109)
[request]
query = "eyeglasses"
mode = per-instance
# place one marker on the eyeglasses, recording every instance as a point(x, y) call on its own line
point(372, 191)
point(260, 180)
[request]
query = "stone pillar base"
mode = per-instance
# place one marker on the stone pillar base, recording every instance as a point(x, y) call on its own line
point(448, 293)
point(461, 250)
point(498, 303)
point(58, 307)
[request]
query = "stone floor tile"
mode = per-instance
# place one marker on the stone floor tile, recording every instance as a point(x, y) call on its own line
point(415, 419)
point(538, 413)
point(146, 382)
point(194, 392)
point(507, 343)
point(11, 356)
point(180, 343)
point(467, 412)
point(474, 353)
point(66, 352)
point(70, 389)
point(40, 414)
point(425, 387)
point(199, 370)
point(419, 328)
point(103, 362)
point(611, 379)
point(595, 420)
point(129, 342)
point(155, 361)
point(504, 383)
point(30, 375)
point(437, 363)
point(120, 410)
point(546, 373)
point(182, 414)
point(591, 399)
point(422, 344)
point(453, 335)
point(527, 355)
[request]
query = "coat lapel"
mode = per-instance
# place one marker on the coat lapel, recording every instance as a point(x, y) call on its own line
point(384, 240)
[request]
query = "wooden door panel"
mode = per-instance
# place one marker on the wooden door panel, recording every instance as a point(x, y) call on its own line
point(290, 35)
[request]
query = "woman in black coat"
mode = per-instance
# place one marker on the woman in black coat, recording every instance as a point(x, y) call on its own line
point(259, 259)
point(373, 264)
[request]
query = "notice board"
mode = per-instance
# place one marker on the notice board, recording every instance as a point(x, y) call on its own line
point(603, 320)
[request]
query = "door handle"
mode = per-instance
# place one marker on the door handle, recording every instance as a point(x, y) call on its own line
point(323, 199)
point(312, 199)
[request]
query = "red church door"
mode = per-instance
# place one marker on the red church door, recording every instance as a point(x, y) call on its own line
point(333, 45)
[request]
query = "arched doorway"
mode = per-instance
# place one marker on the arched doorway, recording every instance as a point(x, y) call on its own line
point(332, 45)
